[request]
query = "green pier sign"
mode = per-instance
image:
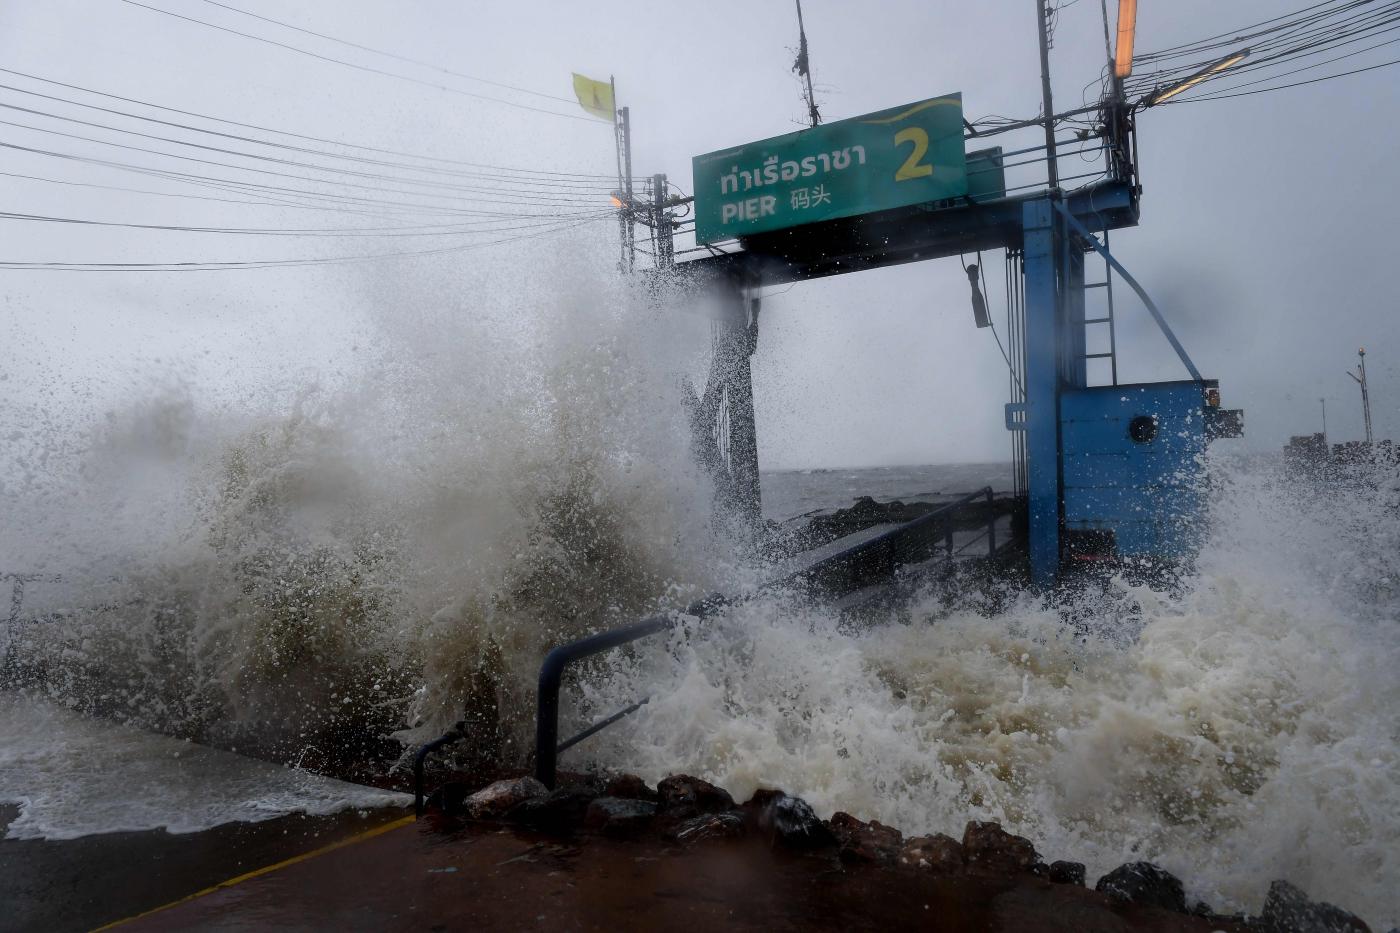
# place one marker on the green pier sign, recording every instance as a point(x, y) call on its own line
point(893, 158)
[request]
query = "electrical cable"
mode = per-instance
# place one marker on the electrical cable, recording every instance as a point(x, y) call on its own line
point(366, 68)
point(1265, 90)
point(1290, 44)
point(1273, 77)
point(402, 58)
point(524, 195)
point(303, 136)
point(163, 194)
point(982, 279)
point(1236, 35)
point(14, 265)
point(269, 190)
point(323, 181)
point(433, 230)
point(543, 184)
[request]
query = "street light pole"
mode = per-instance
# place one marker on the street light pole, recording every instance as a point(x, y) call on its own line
point(1365, 394)
point(1324, 420)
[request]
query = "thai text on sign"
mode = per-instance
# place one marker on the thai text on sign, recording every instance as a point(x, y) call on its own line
point(894, 158)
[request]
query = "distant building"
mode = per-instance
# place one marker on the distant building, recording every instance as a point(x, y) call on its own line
point(1306, 455)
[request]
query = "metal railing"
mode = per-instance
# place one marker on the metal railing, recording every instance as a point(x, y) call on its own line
point(844, 571)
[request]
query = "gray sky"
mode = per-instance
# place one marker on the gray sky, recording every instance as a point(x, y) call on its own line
point(1265, 225)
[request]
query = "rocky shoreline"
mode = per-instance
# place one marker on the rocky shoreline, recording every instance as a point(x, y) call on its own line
point(988, 873)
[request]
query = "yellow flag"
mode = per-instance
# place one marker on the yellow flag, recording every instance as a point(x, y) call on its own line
point(595, 96)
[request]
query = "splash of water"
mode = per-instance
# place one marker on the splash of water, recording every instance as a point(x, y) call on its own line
point(381, 549)
point(1240, 731)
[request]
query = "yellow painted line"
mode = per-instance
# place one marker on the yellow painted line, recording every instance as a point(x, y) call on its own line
point(267, 869)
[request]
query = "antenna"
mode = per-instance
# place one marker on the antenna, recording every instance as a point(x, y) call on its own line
point(803, 67)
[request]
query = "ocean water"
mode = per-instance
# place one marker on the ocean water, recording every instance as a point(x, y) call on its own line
point(788, 494)
point(1237, 731)
point(508, 468)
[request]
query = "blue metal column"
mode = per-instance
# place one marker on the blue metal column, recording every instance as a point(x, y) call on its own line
point(1043, 349)
point(1072, 331)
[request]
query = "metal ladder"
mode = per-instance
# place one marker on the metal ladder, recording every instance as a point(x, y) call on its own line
point(1107, 283)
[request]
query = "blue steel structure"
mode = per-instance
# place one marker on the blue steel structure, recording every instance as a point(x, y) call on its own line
point(1129, 456)
point(1110, 470)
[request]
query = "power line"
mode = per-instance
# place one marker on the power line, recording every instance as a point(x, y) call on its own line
point(402, 58)
point(1288, 44)
point(494, 217)
point(162, 194)
point(526, 194)
point(266, 190)
point(1268, 45)
point(303, 136)
point(196, 266)
point(431, 230)
point(470, 198)
point(1265, 90)
point(1235, 36)
point(1273, 77)
point(529, 183)
point(366, 68)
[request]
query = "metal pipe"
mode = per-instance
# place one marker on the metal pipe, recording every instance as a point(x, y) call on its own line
point(455, 734)
point(547, 745)
point(1132, 283)
point(552, 675)
point(602, 724)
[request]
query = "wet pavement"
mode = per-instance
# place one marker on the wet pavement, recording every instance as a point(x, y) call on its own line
point(57, 886)
point(428, 877)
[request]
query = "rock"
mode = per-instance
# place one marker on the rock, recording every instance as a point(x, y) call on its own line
point(989, 848)
point(1067, 873)
point(630, 787)
point(496, 800)
point(866, 842)
point(1288, 909)
point(559, 811)
point(788, 820)
point(681, 791)
point(448, 797)
point(1146, 884)
point(615, 816)
point(936, 853)
point(707, 826)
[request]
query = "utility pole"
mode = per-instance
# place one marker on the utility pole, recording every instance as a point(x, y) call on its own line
point(629, 220)
point(803, 66)
point(1323, 401)
point(621, 187)
point(1365, 394)
point(661, 223)
point(626, 224)
point(1053, 172)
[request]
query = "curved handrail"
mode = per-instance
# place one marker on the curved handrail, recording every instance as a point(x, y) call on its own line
point(902, 544)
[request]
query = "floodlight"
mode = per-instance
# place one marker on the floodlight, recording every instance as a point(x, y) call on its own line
point(1156, 97)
